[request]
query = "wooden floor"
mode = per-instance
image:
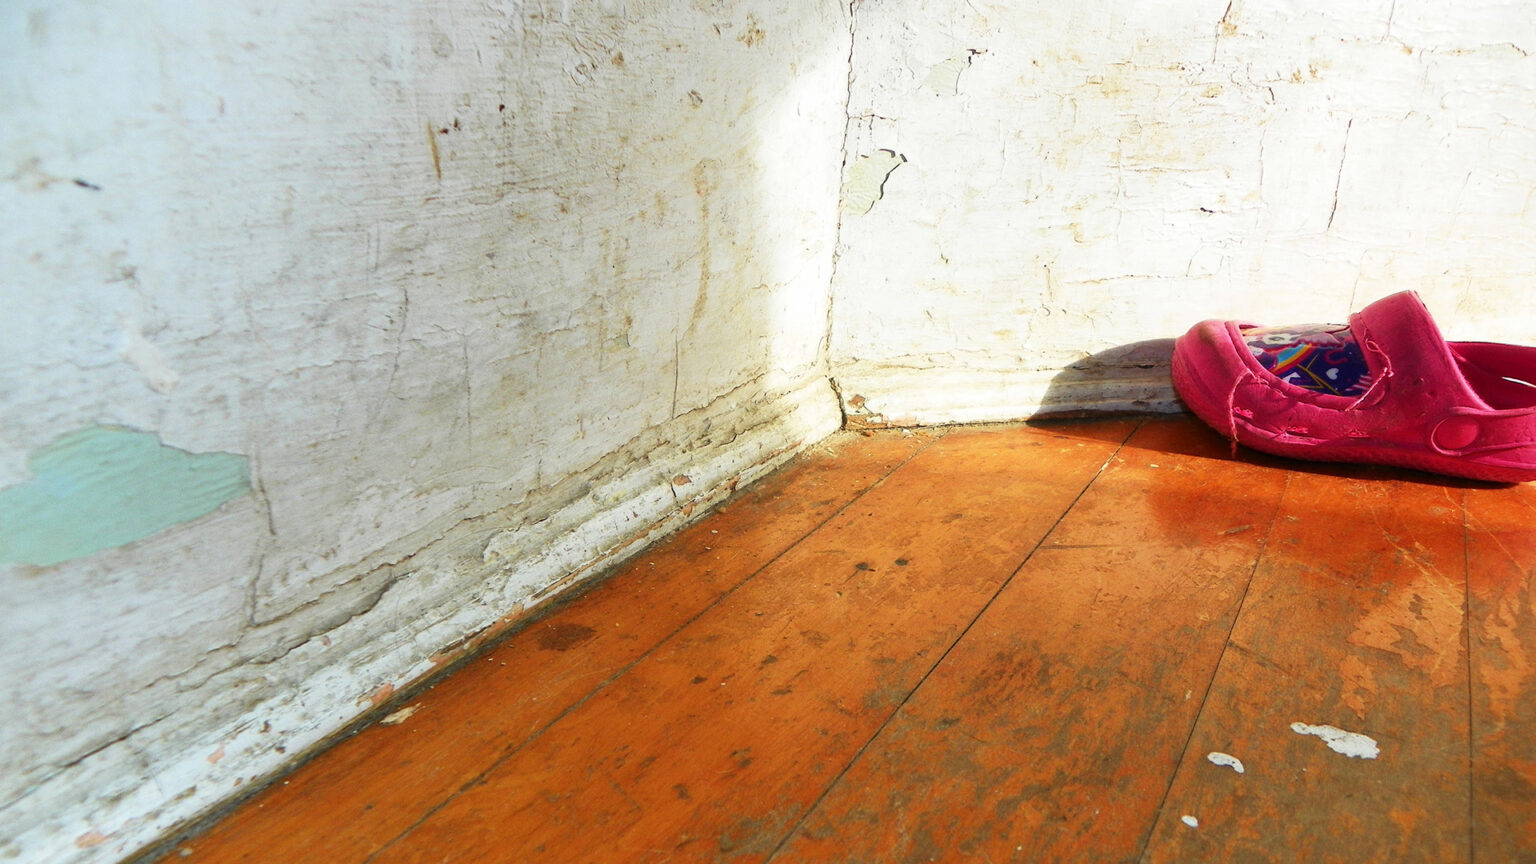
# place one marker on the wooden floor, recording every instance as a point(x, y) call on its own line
point(1002, 644)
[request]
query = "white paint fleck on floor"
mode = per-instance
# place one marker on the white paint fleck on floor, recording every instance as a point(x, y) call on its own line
point(1218, 758)
point(1351, 744)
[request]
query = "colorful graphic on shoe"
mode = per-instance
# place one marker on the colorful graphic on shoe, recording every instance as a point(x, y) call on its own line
point(1323, 358)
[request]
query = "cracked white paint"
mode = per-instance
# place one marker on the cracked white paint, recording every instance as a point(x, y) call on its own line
point(456, 278)
point(1109, 174)
point(1351, 744)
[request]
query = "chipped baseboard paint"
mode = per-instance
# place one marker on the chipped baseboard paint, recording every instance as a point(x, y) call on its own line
point(472, 370)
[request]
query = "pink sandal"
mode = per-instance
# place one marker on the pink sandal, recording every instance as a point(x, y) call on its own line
point(1385, 388)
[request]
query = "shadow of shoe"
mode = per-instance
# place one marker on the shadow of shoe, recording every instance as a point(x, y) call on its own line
point(1125, 379)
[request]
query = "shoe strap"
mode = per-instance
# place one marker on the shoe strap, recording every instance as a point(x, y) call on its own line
point(1410, 351)
point(1421, 378)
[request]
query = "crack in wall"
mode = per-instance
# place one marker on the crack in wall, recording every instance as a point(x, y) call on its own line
point(74, 761)
point(1224, 27)
point(264, 547)
point(1339, 178)
point(825, 351)
point(842, 407)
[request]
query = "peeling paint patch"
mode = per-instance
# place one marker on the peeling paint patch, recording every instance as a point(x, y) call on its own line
point(866, 179)
point(944, 78)
point(1224, 760)
point(106, 486)
point(1351, 744)
point(858, 415)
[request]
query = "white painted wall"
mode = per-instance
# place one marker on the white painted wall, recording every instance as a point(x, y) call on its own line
point(486, 294)
point(1082, 177)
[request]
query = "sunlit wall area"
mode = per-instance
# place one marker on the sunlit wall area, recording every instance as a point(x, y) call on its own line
point(1075, 183)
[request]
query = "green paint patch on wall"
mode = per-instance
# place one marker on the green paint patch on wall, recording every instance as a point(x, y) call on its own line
point(105, 486)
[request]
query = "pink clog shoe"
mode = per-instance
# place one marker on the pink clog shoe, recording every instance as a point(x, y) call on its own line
point(1385, 388)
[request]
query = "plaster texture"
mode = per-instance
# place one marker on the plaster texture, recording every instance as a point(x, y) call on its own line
point(474, 298)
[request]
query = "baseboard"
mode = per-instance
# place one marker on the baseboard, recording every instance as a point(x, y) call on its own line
point(1127, 379)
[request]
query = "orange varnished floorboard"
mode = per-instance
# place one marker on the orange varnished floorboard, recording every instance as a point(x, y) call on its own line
point(1354, 620)
point(1501, 559)
point(1001, 644)
point(752, 709)
point(1050, 731)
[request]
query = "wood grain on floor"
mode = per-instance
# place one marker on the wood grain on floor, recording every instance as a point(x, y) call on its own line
point(1015, 643)
point(1354, 620)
